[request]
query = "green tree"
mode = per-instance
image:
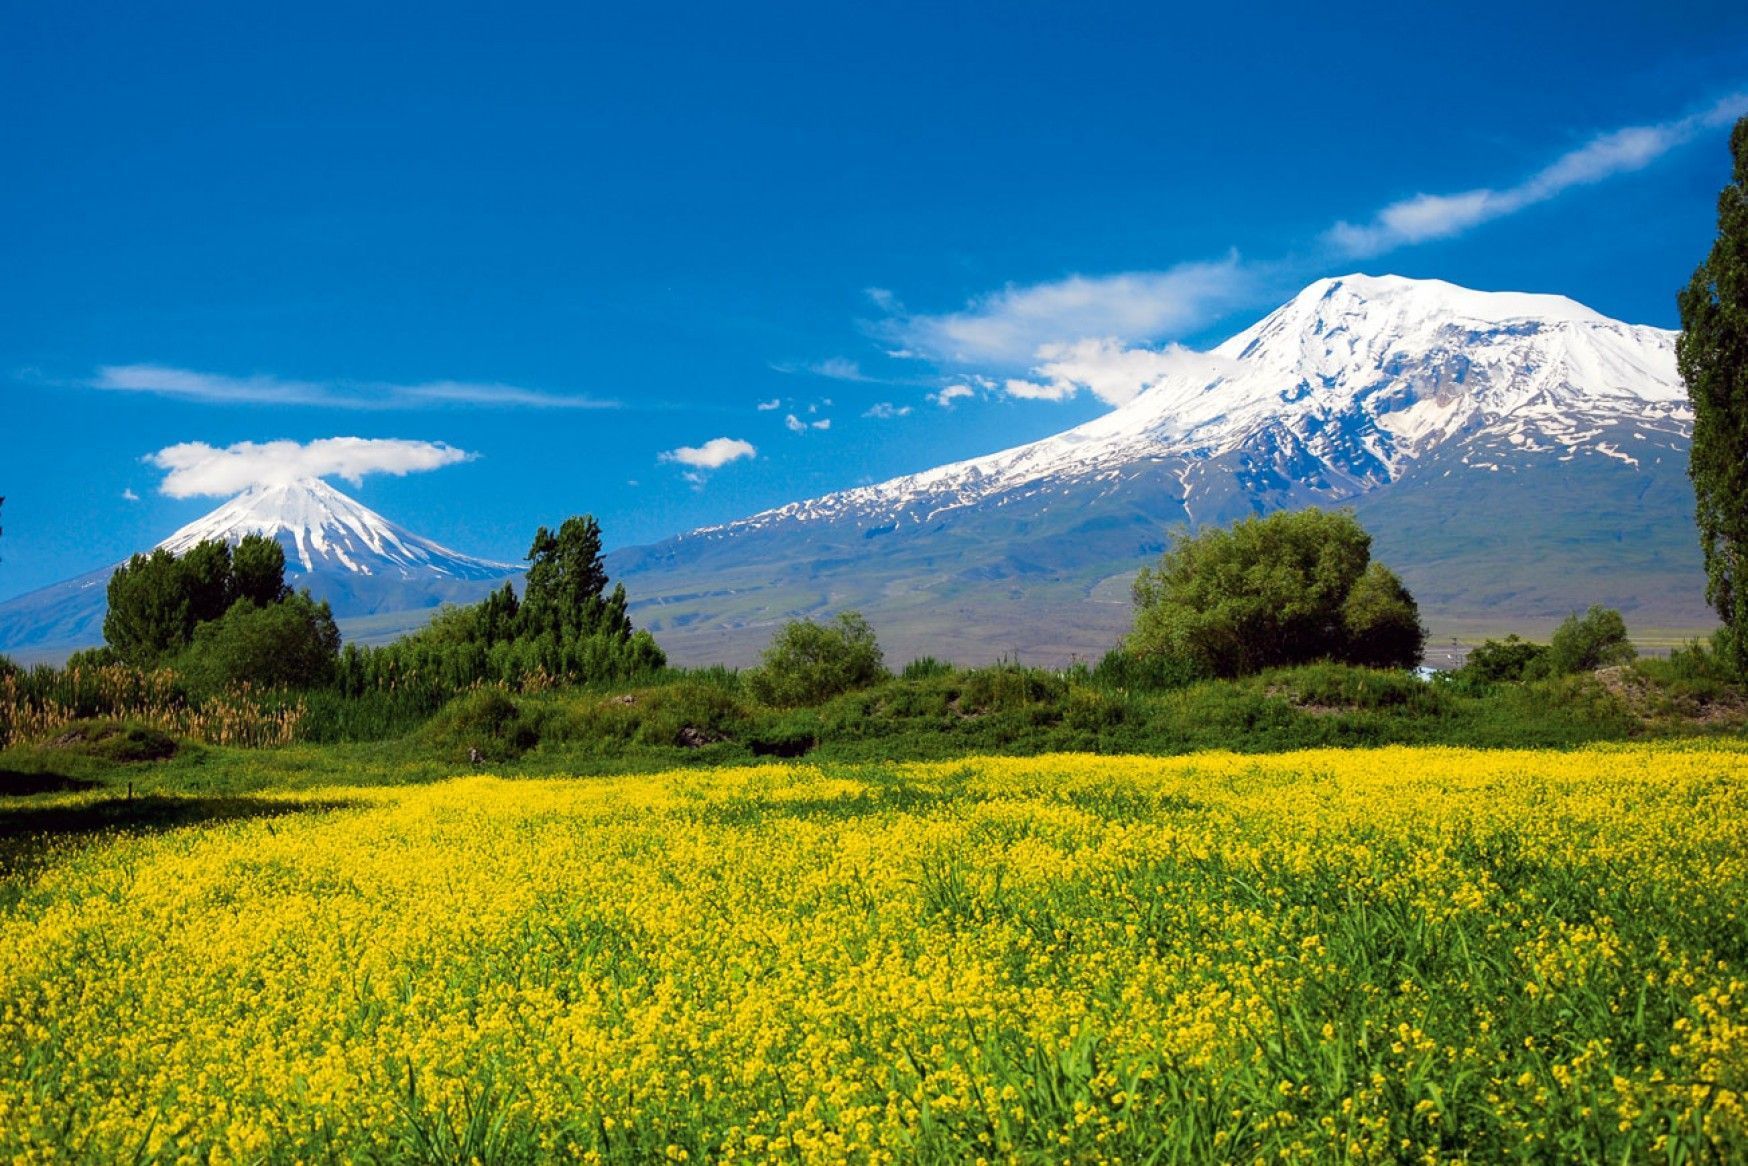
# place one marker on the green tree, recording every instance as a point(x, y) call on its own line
point(808, 662)
point(566, 579)
point(1712, 354)
point(1512, 658)
point(1584, 643)
point(290, 644)
point(1288, 588)
point(1382, 621)
point(157, 601)
point(205, 569)
point(148, 616)
point(258, 571)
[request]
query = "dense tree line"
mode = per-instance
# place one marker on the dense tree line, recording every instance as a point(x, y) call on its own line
point(220, 616)
point(565, 627)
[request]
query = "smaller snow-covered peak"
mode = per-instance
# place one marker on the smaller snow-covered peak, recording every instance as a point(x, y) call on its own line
point(322, 529)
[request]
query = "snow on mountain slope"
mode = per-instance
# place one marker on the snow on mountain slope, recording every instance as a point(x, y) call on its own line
point(1334, 394)
point(322, 530)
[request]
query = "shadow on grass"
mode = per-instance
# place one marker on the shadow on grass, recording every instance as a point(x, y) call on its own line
point(31, 837)
point(22, 783)
point(146, 814)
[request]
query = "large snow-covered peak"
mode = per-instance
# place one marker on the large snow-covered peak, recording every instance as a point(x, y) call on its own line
point(1398, 306)
point(322, 529)
point(1337, 392)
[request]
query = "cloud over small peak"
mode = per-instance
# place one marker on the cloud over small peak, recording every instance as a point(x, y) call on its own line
point(196, 469)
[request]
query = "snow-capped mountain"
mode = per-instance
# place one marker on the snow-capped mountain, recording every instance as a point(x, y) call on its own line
point(1451, 419)
point(1335, 394)
point(322, 530)
point(341, 550)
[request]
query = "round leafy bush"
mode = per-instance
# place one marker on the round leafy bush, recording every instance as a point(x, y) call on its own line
point(809, 663)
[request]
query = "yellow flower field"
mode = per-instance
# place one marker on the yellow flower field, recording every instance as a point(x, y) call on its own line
point(1402, 954)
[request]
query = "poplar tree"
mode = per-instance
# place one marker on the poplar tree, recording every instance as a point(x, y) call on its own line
point(1712, 354)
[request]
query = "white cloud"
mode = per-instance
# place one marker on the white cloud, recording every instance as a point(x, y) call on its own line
point(1039, 390)
point(196, 468)
point(1110, 371)
point(768, 406)
point(128, 495)
point(951, 393)
point(712, 455)
point(794, 424)
point(1007, 328)
point(822, 423)
point(1441, 216)
point(886, 411)
point(222, 389)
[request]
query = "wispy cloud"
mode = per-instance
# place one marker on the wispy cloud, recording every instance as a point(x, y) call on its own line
point(796, 425)
point(712, 455)
point(773, 404)
point(887, 411)
point(836, 368)
point(223, 389)
point(128, 495)
point(195, 468)
point(1008, 327)
point(1426, 217)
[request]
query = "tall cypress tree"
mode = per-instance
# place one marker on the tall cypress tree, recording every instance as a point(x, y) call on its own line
point(1712, 353)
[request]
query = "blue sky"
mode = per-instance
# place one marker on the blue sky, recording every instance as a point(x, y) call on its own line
point(583, 246)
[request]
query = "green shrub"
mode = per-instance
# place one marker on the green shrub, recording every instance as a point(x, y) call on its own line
point(925, 668)
point(1596, 639)
point(1088, 710)
point(1342, 686)
point(1153, 673)
point(688, 714)
point(1503, 660)
point(1002, 687)
point(1288, 588)
point(91, 658)
point(809, 663)
point(485, 720)
point(290, 644)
